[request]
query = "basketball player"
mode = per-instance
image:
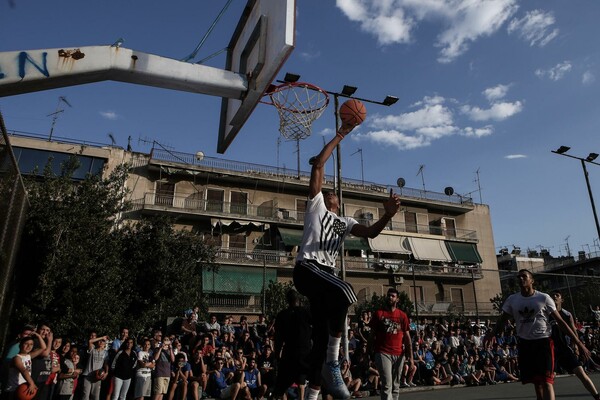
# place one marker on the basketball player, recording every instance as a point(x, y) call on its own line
point(532, 311)
point(565, 357)
point(315, 274)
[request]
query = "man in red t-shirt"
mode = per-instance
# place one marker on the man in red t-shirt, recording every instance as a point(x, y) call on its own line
point(391, 336)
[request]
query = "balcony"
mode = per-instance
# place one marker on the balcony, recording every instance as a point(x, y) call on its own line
point(153, 202)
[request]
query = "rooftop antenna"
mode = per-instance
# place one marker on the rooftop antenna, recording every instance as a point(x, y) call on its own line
point(420, 172)
point(478, 185)
point(59, 110)
point(112, 139)
point(362, 170)
point(568, 248)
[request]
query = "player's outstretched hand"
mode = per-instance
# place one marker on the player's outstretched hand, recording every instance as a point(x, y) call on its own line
point(392, 204)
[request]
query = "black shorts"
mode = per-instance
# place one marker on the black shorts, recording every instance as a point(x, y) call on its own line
point(566, 358)
point(536, 360)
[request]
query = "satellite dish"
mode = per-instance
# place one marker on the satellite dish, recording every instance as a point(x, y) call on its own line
point(199, 156)
point(449, 191)
point(401, 182)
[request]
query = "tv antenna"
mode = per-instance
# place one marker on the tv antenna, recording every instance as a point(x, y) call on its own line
point(362, 170)
point(478, 181)
point(55, 114)
point(420, 172)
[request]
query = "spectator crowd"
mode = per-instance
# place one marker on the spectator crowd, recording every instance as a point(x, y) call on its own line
point(224, 359)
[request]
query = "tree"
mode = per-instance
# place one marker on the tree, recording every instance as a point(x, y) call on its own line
point(165, 270)
point(82, 267)
point(275, 300)
point(70, 252)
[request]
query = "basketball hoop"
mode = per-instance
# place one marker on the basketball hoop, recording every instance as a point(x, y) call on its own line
point(299, 104)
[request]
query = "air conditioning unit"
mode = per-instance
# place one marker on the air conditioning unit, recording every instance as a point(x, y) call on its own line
point(398, 279)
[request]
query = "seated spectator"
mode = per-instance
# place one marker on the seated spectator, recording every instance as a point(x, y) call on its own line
point(212, 324)
point(245, 343)
point(255, 389)
point(266, 364)
point(470, 373)
point(227, 327)
point(241, 327)
point(180, 373)
point(353, 384)
point(218, 387)
point(489, 371)
point(439, 376)
point(198, 378)
point(502, 375)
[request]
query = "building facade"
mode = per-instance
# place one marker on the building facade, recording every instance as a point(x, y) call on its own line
point(439, 248)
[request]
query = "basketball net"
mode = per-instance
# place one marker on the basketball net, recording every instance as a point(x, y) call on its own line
point(299, 104)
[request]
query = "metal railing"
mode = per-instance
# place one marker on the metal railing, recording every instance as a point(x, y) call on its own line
point(268, 213)
point(218, 164)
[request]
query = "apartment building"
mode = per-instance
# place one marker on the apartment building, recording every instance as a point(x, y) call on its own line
point(439, 248)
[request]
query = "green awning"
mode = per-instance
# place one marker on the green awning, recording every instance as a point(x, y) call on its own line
point(239, 280)
point(465, 252)
point(293, 237)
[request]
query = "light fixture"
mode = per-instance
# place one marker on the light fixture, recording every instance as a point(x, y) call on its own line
point(348, 90)
point(389, 100)
point(562, 149)
point(591, 157)
point(291, 78)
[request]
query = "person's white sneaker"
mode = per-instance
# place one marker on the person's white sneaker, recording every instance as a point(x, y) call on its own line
point(332, 378)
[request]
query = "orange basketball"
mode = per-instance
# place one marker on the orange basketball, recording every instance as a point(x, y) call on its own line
point(353, 112)
point(22, 394)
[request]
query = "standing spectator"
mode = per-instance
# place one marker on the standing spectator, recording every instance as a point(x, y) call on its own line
point(13, 349)
point(565, 357)
point(531, 311)
point(163, 357)
point(67, 378)
point(143, 378)
point(266, 364)
point(123, 369)
point(315, 274)
point(390, 330)
point(118, 342)
point(96, 368)
point(20, 367)
point(42, 367)
point(292, 345)
point(364, 330)
point(595, 313)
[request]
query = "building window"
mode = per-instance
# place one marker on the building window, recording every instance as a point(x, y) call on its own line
point(214, 200)
point(410, 220)
point(34, 161)
point(239, 203)
point(165, 193)
point(237, 246)
point(300, 209)
point(457, 299)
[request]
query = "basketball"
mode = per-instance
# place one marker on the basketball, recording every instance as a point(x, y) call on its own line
point(353, 112)
point(22, 393)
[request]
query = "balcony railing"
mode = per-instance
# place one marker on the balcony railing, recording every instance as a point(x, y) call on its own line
point(272, 258)
point(268, 213)
point(217, 164)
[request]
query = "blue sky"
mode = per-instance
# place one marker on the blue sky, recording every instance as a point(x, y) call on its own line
point(488, 85)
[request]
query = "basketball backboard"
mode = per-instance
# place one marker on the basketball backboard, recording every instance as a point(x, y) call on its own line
point(261, 42)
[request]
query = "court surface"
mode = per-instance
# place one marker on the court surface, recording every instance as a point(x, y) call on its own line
point(565, 387)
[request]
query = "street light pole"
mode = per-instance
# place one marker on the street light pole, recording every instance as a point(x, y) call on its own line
point(589, 159)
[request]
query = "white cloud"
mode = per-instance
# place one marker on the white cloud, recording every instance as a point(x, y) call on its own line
point(478, 132)
point(555, 73)
point(109, 115)
point(513, 156)
point(497, 112)
point(535, 27)
point(429, 116)
point(495, 93)
point(310, 56)
point(588, 78)
point(396, 139)
point(464, 21)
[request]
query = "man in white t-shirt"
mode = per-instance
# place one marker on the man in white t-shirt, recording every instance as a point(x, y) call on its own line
point(315, 273)
point(531, 311)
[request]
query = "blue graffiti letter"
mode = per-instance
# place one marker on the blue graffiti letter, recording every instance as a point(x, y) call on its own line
point(24, 57)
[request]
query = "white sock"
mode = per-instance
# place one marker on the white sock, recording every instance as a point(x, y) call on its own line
point(311, 394)
point(333, 348)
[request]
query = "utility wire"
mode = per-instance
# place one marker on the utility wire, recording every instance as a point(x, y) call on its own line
point(195, 52)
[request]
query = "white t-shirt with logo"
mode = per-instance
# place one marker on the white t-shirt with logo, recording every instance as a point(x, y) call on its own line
point(532, 314)
point(324, 233)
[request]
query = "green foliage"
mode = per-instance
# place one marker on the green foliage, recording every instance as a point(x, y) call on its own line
point(378, 302)
point(582, 297)
point(81, 268)
point(275, 298)
point(497, 302)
